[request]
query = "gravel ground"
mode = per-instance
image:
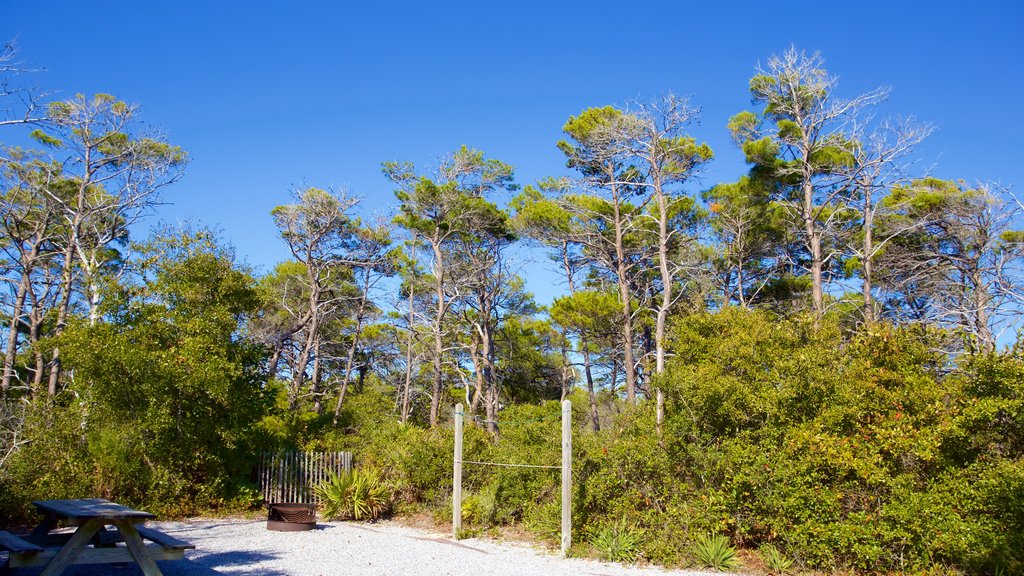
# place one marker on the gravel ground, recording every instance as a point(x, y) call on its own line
point(247, 548)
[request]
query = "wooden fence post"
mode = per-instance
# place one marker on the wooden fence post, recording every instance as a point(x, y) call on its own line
point(566, 476)
point(457, 475)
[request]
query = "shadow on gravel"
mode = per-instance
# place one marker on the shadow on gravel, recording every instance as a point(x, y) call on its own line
point(234, 563)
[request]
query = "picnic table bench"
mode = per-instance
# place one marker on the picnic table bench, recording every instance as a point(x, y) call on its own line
point(91, 542)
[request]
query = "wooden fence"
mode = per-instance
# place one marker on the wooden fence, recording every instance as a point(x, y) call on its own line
point(291, 476)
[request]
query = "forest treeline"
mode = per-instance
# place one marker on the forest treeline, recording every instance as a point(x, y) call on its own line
point(815, 360)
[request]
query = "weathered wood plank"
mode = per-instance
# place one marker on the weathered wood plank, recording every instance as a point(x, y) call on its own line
point(14, 543)
point(165, 540)
point(71, 551)
point(138, 550)
point(95, 556)
point(90, 508)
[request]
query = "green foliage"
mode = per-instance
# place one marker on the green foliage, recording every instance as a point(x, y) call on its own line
point(480, 508)
point(617, 542)
point(416, 461)
point(715, 551)
point(166, 392)
point(855, 450)
point(774, 559)
point(358, 495)
point(545, 520)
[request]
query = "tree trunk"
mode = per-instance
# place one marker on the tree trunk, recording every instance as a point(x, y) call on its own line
point(440, 310)
point(12, 337)
point(275, 360)
point(487, 349)
point(94, 300)
point(594, 414)
point(614, 384)
point(299, 367)
point(479, 389)
point(986, 341)
point(67, 273)
point(666, 282)
point(622, 278)
point(739, 285)
point(407, 389)
point(813, 243)
point(360, 313)
point(868, 253)
point(67, 279)
point(318, 406)
point(34, 334)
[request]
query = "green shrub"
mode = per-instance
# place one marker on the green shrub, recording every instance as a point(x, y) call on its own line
point(545, 520)
point(356, 495)
point(715, 551)
point(774, 559)
point(480, 508)
point(617, 542)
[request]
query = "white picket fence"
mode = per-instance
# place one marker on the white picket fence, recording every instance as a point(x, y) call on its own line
point(291, 476)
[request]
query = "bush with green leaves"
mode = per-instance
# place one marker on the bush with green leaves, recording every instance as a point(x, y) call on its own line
point(774, 559)
point(864, 450)
point(715, 551)
point(480, 508)
point(356, 495)
point(618, 542)
point(166, 393)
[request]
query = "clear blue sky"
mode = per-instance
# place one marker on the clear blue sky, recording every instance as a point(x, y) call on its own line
point(267, 96)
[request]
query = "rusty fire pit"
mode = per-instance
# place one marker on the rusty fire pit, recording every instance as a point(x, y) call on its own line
point(291, 517)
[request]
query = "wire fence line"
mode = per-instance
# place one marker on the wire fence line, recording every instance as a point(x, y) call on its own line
point(507, 465)
point(482, 420)
point(566, 469)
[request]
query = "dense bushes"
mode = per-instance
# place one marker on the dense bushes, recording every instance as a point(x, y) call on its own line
point(866, 450)
point(837, 450)
point(859, 452)
point(163, 399)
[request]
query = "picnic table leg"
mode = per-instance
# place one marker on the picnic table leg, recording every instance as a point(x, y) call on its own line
point(49, 522)
point(97, 539)
point(133, 540)
point(73, 548)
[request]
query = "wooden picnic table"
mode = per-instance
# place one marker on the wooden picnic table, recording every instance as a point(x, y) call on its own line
point(91, 542)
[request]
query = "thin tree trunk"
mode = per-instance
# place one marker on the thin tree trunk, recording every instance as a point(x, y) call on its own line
point(487, 349)
point(34, 333)
point(275, 360)
point(868, 253)
point(813, 236)
point(594, 415)
point(478, 373)
point(318, 406)
point(360, 313)
point(62, 315)
point(440, 310)
point(814, 246)
point(407, 390)
point(986, 342)
point(666, 282)
point(666, 302)
point(299, 368)
point(739, 285)
point(12, 337)
point(67, 273)
point(627, 309)
point(614, 384)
